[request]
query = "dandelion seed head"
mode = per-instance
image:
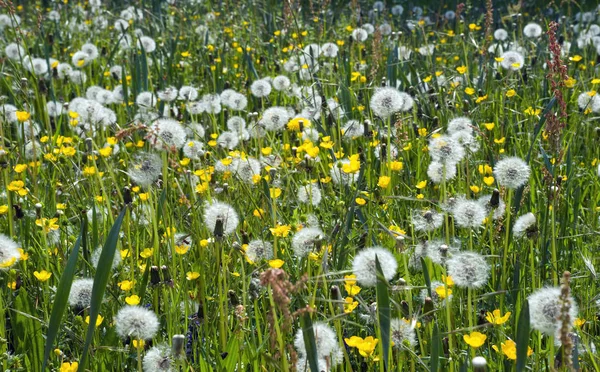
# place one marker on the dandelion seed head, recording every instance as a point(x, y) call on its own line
point(309, 194)
point(259, 250)
point(360, 34)
point(158, 359)
point(512, 60)
point(136, 322)
point(353, 129)
point(275, 118)
point(523, 224)
point(403, 334)
point(460, 124)
point(325, 340)
point(387, 101)
point(9, 251)
point(81, 293)
point(330, 50)
point(260, 88)
point(500, 34)
point(219, 211)
point(145, 100)
point(245, 169)
point(169, 94)
point(145, 168)
point(512, 172)
point(96, 257)
point(484, 200)
point(545, 310)
point(305, 240)
point(228, 140)
point(532, 30)
point(365, 269)
point(446, 149)
point(468, 213)
point(468, 270)
point(426, 220)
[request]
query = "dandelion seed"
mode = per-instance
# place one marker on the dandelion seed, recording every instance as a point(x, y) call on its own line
point(274, 118)
point(532, 30)
point(145, 169)
point(260, 88)
point(525, 225)
point(136, 322)
point(326, 341)
point(96, 257)
point(365, 269)
point(498, 211)
point(158, 359)
point(426, 220)
point(468, 213)
point(9, 252)
point(512, 60)
point(81, 293)
point(445, 149)
point(258, 250)
point(387, 101)
point(512, 172)
point(468, 270)
point(305, 240)
point(545, 310)
point(167, 133)
point(309, 194)
point(403, 334)
point(222, 213)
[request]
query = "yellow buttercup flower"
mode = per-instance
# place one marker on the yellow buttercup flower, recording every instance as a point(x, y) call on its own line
point(42, 276)
point(475, 339)
point(496, 318)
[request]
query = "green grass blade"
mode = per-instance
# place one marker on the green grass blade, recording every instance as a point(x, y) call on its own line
point(522, 338)
point(426, 275)
point(436, 348)
point(383, 312)
point(100, 282)
point(62, 295)
point(309, 341)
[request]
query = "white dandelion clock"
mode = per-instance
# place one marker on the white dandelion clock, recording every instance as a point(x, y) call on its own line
point(9, 252)
point(545, 310)
point(145, 169)
point(219, 213)
point(167, 134)
point(468, 213)
point(468, 270)
point(403, 334)
point(512, 60)
point(512, 172)
point(258, 250)
point(386, 101)
point(326, 341)
point(532, 30)
point(365, 268)
point(81, 293)
point(159, 359)
point(525, 225)
point(305, 240)
point(309, 194)
point(136, 323)
point(260, 88)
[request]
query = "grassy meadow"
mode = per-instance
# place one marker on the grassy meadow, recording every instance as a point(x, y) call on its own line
point(263, 185)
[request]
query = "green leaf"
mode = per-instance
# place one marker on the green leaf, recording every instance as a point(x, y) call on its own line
point(62, 295)
point(100, 282)
point(383, 312)
point(522, 337)
point(436, 348)
point(426, 275)
point(309, 342)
